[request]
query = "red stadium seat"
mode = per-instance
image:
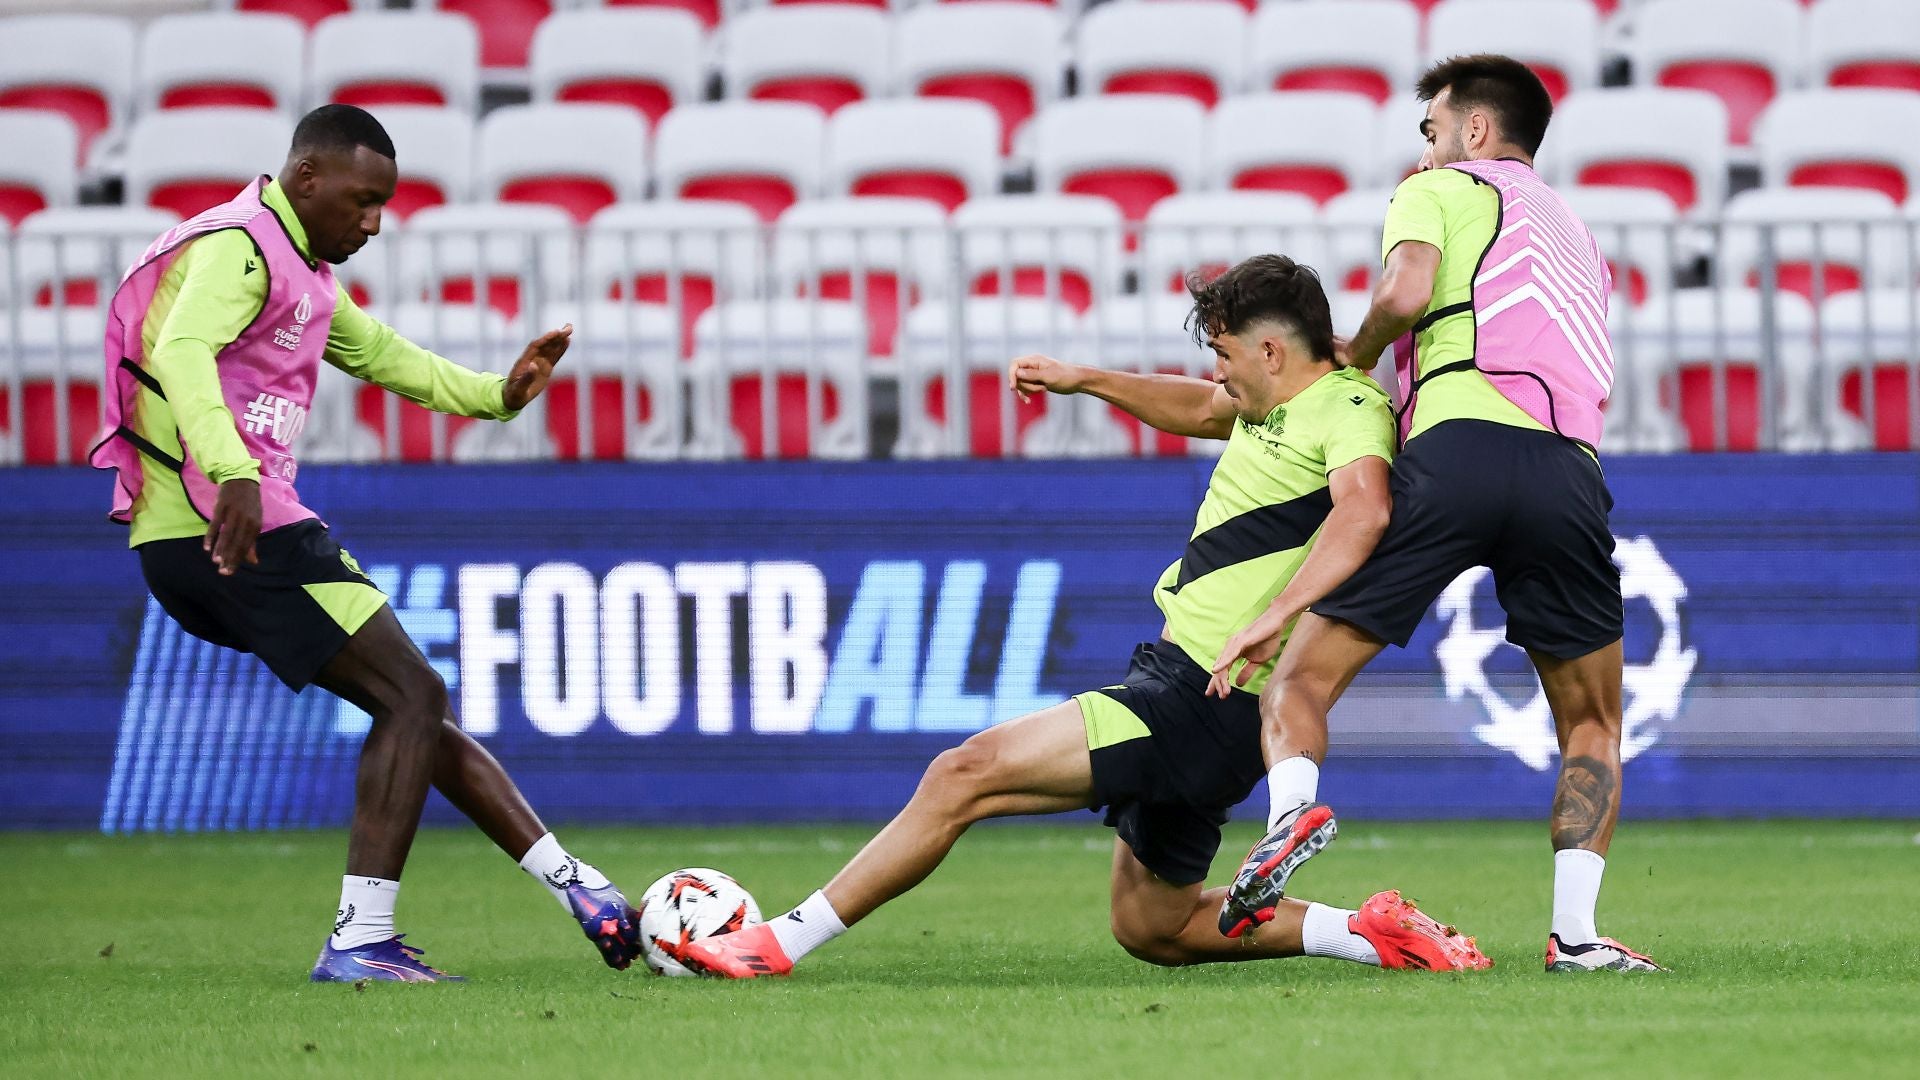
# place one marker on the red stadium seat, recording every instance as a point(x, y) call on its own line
point(646, 60)
point(503, 256)
point(943, 151)
point(436, 157)
point(766, 155)
point(826, 56)
point(707, 11)
point(1694, 340)
point(740, 343)
point(1312, 143)
point(1861, 233)
point(187, 160)
point(1147, 334)
point(309, 12)
point(989, 331)
point(1869, 336)
point(615, 345)
point(1004, 55)
point(38, 169)
point(1559, 39)
point(1163, 49)
point(1131, 149)
point(1864, 43)
point(506, 27)
point(888, 251)
point(1369, 48)
point(80, 66)
point(1062, 247)
point(668, 251)
point(1839, 138)
point(59, 371)
point(223, 60)
point(580, 158)
point(1632, 227)
point(1742, 51)
point(373, 58)
point(1601, 138)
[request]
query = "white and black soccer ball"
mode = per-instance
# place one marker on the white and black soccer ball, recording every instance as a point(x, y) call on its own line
point(695, 902)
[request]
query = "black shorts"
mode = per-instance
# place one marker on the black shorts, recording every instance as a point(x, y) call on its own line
point(1169, 762)
point(295, 610)
point(1531, 505)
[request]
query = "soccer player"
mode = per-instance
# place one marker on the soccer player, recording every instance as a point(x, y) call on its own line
point(213, 344)
point(1298, 499)
point(1504, 293)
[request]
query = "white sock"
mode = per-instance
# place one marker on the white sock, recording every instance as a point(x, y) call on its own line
point(366, 911)
point(1324, 933)
point(1293, 783)
point(1576, 888)
point(547, 861)
point(807, 927)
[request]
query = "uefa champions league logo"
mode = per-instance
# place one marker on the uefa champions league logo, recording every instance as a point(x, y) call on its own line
point(1651, 690)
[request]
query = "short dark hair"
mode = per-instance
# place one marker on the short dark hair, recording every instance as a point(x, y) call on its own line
point(1501, 85)
point(1263, 287)
point(341, 127)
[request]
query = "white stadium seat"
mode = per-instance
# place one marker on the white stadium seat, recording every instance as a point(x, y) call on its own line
point(56, 349)
point(1843, 138)
point(580, 158)
point(1133, 149)
point(988, 334)
point(186, 160)
point(1559, 39)
point(76, 255)
point(1875, 332)
point(1743, 51)
point(765, 154)
point(435, 153)
point(1060, 247)
point(1365, 47)
point(1604, 137)
point(511, 257)
point(1351, 223)
point(944, 150)
point(669, 251)
point(1004, 53)
point(1316, 143)
point(217, 59)
point(38, 170)
point(889, 252)
point(825, 55)
point(616, 346)
point(816, 353)
point(1863, 43)
point(1688, 338)
point(647, 60)
point(1207, 232)
point(1180, 47)
point(79, 65)
point(395, 58)
point(1859, 240)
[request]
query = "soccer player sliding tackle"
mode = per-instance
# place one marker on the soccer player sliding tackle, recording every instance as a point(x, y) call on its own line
point(1504, 294)
point(230, 314)
point(1308, 444)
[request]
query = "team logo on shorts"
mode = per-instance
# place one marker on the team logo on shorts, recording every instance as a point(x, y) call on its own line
point(1651, 691)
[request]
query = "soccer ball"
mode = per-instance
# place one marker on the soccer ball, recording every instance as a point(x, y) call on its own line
point(692, 903)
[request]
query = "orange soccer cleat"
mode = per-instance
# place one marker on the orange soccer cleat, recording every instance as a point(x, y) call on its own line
point(743, 954)
point(1405, 937)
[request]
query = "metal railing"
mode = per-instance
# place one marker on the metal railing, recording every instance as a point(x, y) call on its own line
point(875, 333)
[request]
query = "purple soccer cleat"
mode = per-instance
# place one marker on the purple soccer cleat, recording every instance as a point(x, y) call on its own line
point(390, 961)
point(609, 922)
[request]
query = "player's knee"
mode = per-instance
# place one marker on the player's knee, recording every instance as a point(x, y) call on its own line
point(418, 696)
point(961, 776)
point(1146, 944)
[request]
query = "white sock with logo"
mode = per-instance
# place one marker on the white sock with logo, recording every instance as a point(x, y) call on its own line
point(1324, 932)
point(366, 911)
point(1291, 784)
point(1576, 889)
point(548, 862)
point(807, 927)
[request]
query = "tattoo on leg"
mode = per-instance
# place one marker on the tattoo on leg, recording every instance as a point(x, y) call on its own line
point(1583, 802)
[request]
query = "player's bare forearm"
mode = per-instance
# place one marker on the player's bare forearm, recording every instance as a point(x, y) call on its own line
point(1346, 540)
point(1176, 404)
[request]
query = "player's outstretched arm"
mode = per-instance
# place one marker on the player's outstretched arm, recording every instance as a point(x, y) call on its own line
point(370, 350)
point(1362, 505)
point(1176, 404)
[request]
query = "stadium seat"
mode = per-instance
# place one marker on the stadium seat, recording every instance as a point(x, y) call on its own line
point(1164, 48)
point(818, 54)
point(580, 158)
point(647, 60)
point(1351, 223)
point(1146, 334)
point(186, 160)
point(707, 11)
point(1861, 43)
point(243, 61)
point(688, 253)
point(76, 255)
point(59, 370)
point(468, 334)
point(989, 334)
point(1637, 232)
point(628, 358)
point(506, 27)
point(1131, 149)
point(79, 65)
point(1604, 137)
point(815, 351)
point(334, 431)
point(37, 171)
point(1316, 143)
point(946, 151)
point(888, 252)
point(395, 58)
point(1207, 232)
point(1871, 332)
point(1060, 247)
point(765, 154)
point(1398, 146)
point(435, 148)
point(511, 257)
point(1693, 339)
point(1005, 53)
point(309, 12)
point(1366, 47)
point(1559, 39)
point(1859, 240)
point(1742, 51)
point(1843, 138)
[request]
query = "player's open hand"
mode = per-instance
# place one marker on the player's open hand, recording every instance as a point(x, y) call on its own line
point(234, 527)
point(1257, 643)
point(535, 366)
point(1036, 374)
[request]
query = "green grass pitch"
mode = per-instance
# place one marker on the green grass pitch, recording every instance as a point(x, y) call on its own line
point(1794, 945)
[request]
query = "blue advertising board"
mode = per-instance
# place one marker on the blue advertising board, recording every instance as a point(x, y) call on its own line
point(740, 642)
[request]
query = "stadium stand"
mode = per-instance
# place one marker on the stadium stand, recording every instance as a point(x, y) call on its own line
point(1720, 370)
point(1863, 43)
point(38, 170)
point(1315, 143)
point(57, 358)
point(1004, 54)
point(1351, 258)
point(1059, 247)
point(580, 158)
point(1870, 349)
point(75, 255)
point(883, 253)
point(1821, 241)
point(506, 29)
point(309, 12)
point(1559, 39)
point(1366, 47)
point(1206, 232)
point(436, 156)
point(186, 160)
point(1743, 51)
point(81, 66)
point(825, 55)
point(1175, 47)
point(684, 253)
point(1131, 149)
point(1603, 137)
point(988, 332)
point(785, 379)
point(764, 154)
point(1843, 138)
point(508, 256)
point(947, 151)
point(395, 58)
point(648, 60)
point(618, 395)
point(222, 59)
point(1636, 230)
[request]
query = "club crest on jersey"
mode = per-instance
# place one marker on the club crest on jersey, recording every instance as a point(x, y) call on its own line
point(288, 337)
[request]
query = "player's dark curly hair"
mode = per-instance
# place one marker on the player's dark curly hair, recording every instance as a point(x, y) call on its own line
point(1263, 287)
point(1502, 86)
point(340, 127)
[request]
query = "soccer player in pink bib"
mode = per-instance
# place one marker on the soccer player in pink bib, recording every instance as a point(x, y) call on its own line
point(214, 339)
point(1497, 295)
